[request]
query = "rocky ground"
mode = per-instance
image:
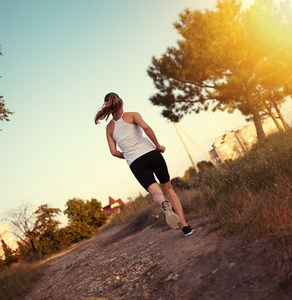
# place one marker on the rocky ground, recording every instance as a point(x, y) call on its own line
point(141, 262)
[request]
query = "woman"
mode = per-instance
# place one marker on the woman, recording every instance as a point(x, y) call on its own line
point(143, 156)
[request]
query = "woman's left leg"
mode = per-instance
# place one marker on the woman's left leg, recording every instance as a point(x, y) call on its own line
point(175, 201)
point(171, 218)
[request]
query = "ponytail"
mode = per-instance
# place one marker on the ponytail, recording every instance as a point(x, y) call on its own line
point(112, 103)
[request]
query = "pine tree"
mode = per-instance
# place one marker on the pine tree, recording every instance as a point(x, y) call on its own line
point(219, 64)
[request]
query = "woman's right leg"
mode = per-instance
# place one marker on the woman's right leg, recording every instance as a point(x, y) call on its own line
point(156, 193)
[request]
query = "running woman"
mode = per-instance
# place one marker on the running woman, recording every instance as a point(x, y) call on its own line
point(143, 156)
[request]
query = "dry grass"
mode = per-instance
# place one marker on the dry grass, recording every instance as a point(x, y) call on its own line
point(260, 214)
point(15, 281)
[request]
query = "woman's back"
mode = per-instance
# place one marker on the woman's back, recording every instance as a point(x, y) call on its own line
point(130, 139)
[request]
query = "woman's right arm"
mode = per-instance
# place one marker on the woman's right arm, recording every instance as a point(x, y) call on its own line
point(148, 130)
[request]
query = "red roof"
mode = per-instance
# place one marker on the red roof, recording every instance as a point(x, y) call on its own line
point(109, 210)
point(113, 201)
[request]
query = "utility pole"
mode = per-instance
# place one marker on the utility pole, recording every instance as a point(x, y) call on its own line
point(193, 163)
point(207, 156)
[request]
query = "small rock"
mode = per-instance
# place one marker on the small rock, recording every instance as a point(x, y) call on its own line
point(108, 280)
point(146, 295)
point(231, 265)
point(172, 277)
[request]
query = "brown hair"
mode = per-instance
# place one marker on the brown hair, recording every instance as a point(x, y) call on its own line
point(112, 103)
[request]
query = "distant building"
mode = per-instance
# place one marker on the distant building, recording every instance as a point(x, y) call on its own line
point(237, 142)
point(114, 207)
point(7, 236)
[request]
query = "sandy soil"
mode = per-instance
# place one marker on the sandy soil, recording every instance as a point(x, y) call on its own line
point(141, 262)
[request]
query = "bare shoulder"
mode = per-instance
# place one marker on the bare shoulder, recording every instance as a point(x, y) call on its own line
point(135, 115)
point(137, 118)
point(129, 117)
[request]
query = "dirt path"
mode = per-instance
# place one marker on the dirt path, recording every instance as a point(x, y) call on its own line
point(157, 263)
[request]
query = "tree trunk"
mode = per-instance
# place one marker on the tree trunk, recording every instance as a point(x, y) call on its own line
point(256, 118)
point(34, 250)
point(286, 126)
point(273, 117)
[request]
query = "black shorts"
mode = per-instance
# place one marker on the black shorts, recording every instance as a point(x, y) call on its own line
point(145, 166)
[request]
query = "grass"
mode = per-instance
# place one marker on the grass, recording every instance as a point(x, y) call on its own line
point(254, 193)
point(16, 281)
point(267, 212)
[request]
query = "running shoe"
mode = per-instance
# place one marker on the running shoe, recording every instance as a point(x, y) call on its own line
point(172, 219)
point(187, 230)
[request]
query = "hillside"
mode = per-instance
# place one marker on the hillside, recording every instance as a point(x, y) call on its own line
point(142, 262)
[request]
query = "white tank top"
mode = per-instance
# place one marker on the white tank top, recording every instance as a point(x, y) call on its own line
point(130, 140)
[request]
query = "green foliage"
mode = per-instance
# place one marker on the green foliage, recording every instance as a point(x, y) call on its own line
point(204, 165)
point(40, 232)
point(87, 212)
point(84, 218)
point(190, 173)
point(95, 212)
point(76, 232)
point(45, 218)
point(45, 233)
point(220, 63)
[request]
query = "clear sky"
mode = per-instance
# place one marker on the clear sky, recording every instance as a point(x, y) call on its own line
point(60, 58)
